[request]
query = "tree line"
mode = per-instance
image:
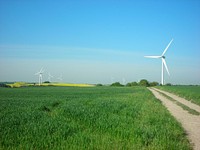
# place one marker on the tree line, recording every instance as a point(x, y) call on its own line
point(142, 82)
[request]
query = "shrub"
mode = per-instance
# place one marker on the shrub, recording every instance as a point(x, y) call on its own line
point(99, 84)
point(144, 82)
point(153, 84)
point(4, 85)
point(116, 84)
point(132, 84)
point(168, 84)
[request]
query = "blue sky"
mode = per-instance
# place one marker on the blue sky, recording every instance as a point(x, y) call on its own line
point(99, 41)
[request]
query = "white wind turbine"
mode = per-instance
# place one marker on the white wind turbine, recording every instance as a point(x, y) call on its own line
point(112, 79)
point(60, 78)
point(49, 77)
point(123, 81)
point(163, 62)
point(40, 75)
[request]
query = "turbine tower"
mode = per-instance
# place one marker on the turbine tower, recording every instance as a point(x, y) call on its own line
point(40, 75)
point(163, 62)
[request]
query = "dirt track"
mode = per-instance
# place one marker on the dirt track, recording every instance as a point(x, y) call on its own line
point(191, 123)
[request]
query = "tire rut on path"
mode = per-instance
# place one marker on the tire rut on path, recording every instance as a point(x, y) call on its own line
point(191, 123)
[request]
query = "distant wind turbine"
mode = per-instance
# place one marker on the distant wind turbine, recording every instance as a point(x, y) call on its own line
point(40, 75)
point(163, 62)
point(49, 77)
point(123, 81)
point(60, 78)
point(112, 79)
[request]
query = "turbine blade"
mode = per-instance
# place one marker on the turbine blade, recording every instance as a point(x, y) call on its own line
point(167, 48)
point(41, 69)
point(164, 62)
point(50, 75)
point(37, 73)
point(152, 56)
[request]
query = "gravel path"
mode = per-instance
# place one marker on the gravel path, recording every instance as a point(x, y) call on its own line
point(191, 123)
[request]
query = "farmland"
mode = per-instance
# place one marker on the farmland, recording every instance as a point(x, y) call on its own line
point(189, 92)
point(24, 84)
point(86, 118)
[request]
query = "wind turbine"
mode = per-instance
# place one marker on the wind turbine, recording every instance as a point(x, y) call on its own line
point(123, 81)
point(60, 78)
point(112, 79)
point(40, 75)
point(163, 62)
point(49, 77)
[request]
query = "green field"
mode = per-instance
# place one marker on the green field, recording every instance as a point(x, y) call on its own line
point(86, 118)
point(189, 92)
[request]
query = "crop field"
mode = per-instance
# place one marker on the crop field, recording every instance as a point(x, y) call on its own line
point(86, 118)
point(189, 92)
point(24, 84)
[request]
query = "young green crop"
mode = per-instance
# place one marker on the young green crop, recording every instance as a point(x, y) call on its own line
point(189, 92)
point(86, 118)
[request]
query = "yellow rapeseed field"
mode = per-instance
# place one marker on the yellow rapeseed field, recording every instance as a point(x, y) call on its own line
point(67, 84)
point(23, 84)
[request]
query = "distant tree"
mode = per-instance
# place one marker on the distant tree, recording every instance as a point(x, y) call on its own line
point(99, 84)
point(4, 85)
point(168, 84)
point(144, 82)
point(128, 84)
point(46, 82)
point(132, 84)
point(153, 83)
point(116, 84)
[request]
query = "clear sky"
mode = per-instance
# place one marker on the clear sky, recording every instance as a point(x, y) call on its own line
point(99, 41)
